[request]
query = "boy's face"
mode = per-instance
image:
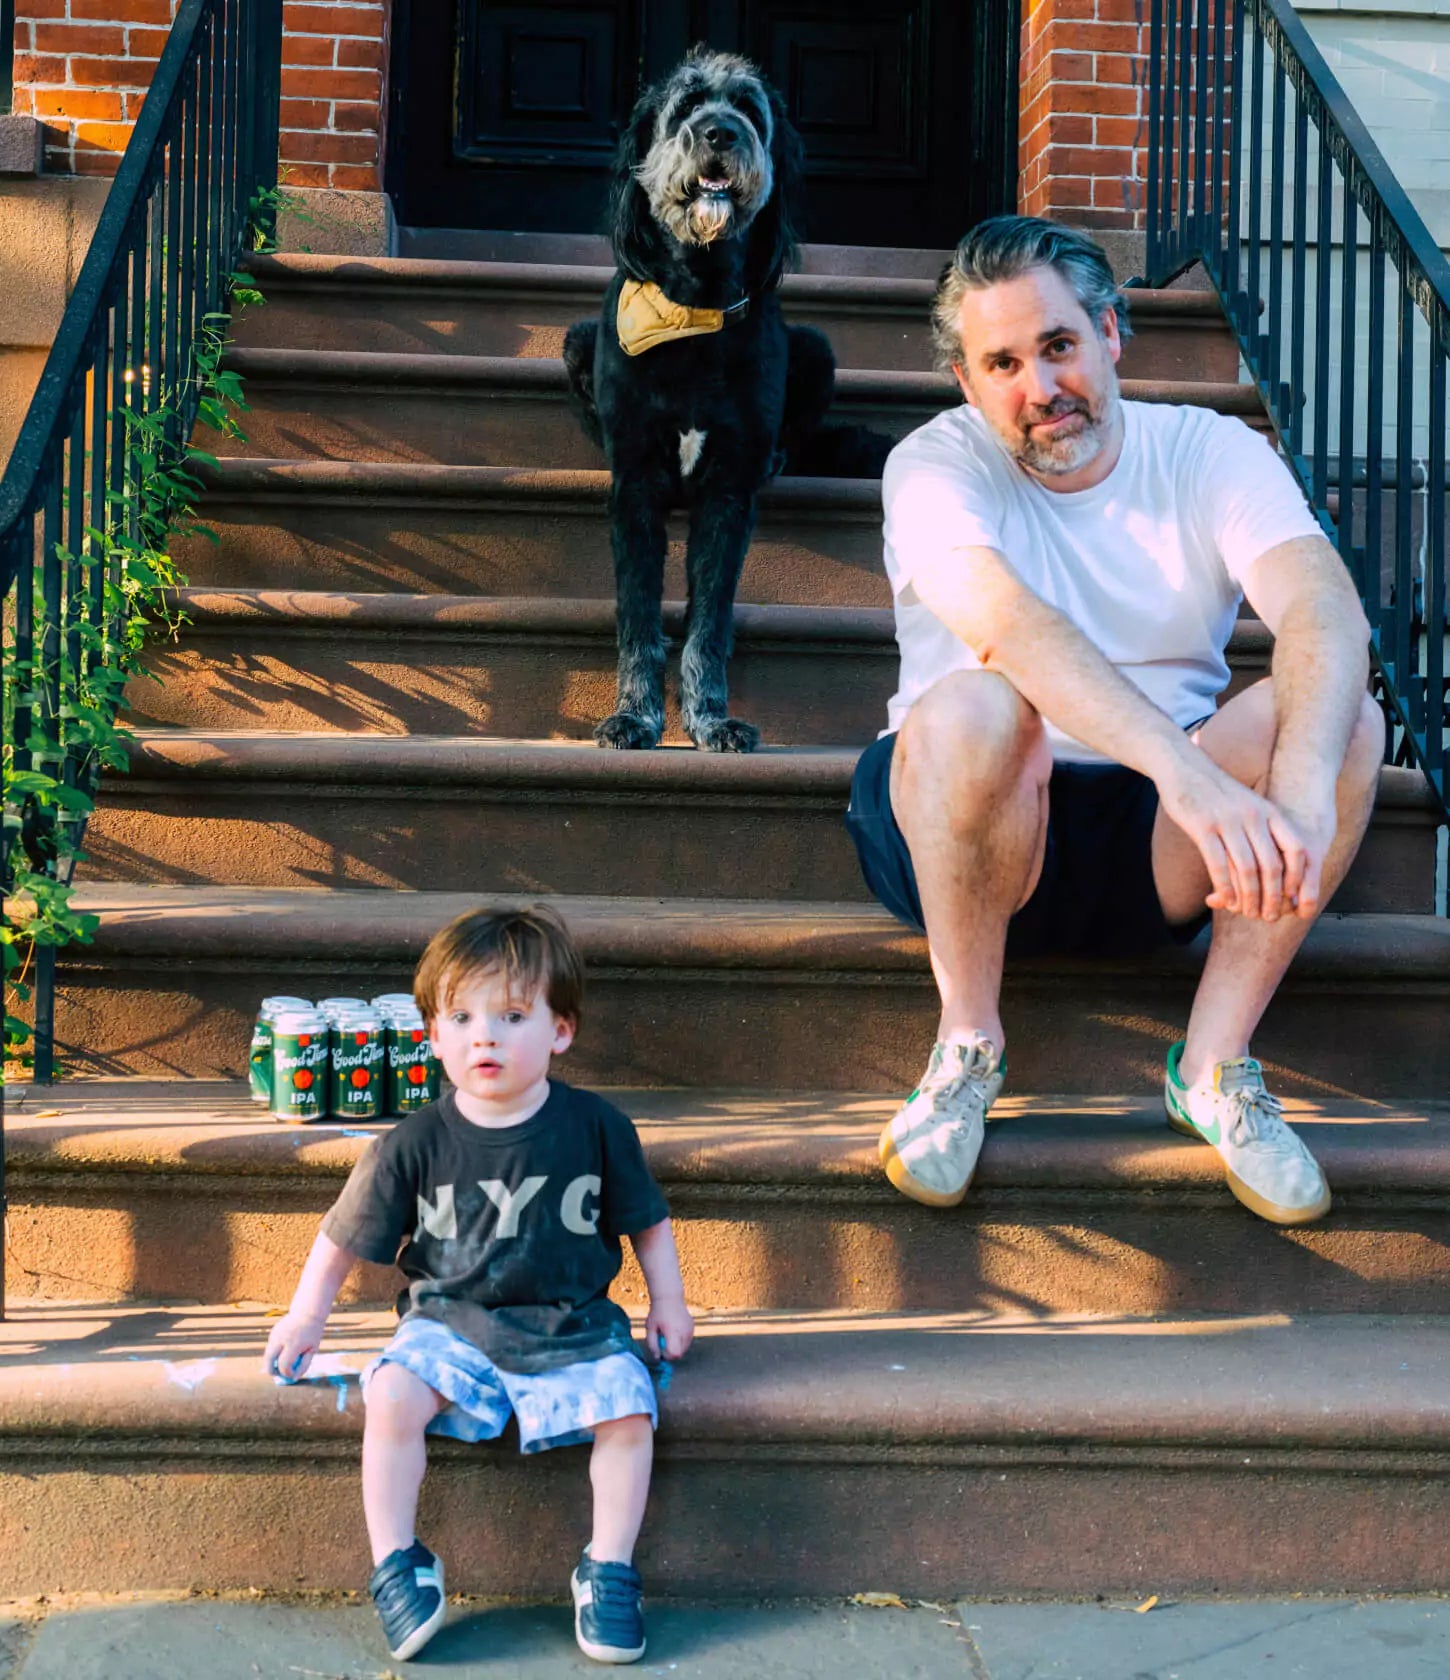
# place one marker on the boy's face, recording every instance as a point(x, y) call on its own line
point(495, 1044)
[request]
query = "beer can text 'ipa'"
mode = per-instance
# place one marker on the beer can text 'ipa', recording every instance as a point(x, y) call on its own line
point(414, 1076)
point(260, 1071)
point(355, 1084)
point(299, 1066)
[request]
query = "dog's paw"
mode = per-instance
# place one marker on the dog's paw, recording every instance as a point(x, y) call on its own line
point(725, 735)
point(627, 731)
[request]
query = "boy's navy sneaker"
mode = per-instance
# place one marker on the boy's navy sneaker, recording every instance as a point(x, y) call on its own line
point(407, 1588)
point(608, 1610)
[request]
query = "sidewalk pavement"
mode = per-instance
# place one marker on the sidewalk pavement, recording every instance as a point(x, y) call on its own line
point(166, 1637)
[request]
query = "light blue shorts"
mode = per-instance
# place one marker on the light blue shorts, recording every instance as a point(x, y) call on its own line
point(556, 1408)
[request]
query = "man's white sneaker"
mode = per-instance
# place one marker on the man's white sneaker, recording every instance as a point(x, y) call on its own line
point(1269, 1169)
point(930, 1146)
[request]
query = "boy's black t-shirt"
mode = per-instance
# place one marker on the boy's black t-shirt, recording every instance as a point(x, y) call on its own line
point(509, 1236)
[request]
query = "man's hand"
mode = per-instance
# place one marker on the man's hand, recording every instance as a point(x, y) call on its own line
point(1263, 862)
point(670, 1323)
point(294, 1339)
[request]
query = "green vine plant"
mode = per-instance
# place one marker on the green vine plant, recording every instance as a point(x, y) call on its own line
point(47, 802)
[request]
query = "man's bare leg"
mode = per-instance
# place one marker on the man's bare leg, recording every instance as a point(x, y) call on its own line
point(969, 777)
point(1248, 958)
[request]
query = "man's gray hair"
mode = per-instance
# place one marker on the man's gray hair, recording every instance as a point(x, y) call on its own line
point(1004, 247)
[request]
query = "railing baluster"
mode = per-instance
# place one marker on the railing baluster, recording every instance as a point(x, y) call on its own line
point(1437, 702)
point(1297, 394)
point(1275, 322)
point(1405, 591)
point(1199, 224)
point(1215, 241)
point(1233, 266)
point(1348, 338)
point(1183, 230)
point(1154, 256)
point(1253, 303)
point(1374, 432)
point(1323, 265)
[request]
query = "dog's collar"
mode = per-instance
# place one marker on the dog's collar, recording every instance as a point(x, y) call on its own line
point(646, 317)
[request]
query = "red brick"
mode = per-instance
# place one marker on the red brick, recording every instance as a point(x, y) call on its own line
point(1068, 35)
point(1114, 195)
point(20, 102)
point(1069, 130)
point(1086, 160)
point(360, 55)
point(79, 103)
point(1120, 131)
point(354, 177)
point(106, 137)
point(303, 175)
point(307, 50)
point(93, 38)
point(1121, 68)
point(123, 11)
point(331, 84)
point(146, 43)
point(1099, 101)
point(1069, 191)
point(112, 72)
point(37, 71)
point(1118, 11)
point(1107, 218)
point(328, 148)
point(45, 8)
point(95, 163)
point(355, 119)
point(306, 113)
point(334, 20)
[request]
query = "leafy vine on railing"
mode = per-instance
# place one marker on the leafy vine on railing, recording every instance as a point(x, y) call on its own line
point(54, 796)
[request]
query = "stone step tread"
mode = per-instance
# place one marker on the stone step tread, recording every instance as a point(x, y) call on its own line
point(544, 376)
point(1337, 1383)
point(374, 757)
point(389, 927)
point(324, 612)
point(317, 272)
point(1072, 1148)
point(399, 483)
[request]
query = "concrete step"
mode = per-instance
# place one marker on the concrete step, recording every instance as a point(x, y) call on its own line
point(123, 1190)
point(762, 994)
point(457, 664)
point(498, 531)
point(473, 814)
point(798, 1454)
point(420, 305)
point(510, 411)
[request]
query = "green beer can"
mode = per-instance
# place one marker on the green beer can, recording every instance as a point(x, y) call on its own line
point(414, 1076)
point(357, 1067)
point(333, 1007)
point(260, 1069)
point(299, 1065)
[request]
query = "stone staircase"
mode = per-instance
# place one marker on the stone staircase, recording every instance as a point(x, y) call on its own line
point(1099, 1374)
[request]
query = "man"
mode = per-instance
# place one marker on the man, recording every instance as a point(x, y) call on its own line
point(1067, 568)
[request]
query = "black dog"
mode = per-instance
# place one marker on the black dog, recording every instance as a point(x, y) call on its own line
point(691, 382)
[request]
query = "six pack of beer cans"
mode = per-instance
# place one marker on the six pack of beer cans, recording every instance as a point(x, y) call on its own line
point(350, 1058)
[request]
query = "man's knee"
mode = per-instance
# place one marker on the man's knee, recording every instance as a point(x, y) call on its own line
point(1367, 743)
point(974, 725)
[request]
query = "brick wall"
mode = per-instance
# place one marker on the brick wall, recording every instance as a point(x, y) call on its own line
point(83, 67)
point(1083, 130)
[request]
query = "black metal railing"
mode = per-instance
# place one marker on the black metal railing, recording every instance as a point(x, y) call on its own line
point(1260, 168)
point(116, 402)
point(7, 56)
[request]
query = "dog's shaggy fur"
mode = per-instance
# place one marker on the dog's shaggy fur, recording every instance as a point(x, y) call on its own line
point(705, 204)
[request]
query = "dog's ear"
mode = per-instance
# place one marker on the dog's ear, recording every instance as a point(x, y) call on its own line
point(776, 231)
point(632, 229)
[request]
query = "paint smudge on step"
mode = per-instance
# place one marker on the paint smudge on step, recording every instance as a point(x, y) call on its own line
point(191, 1374)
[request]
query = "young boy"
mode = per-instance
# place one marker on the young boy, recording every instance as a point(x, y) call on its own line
point(509, 1197)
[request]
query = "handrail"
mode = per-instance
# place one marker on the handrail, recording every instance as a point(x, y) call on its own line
point(1235, 89)
point(117, 399)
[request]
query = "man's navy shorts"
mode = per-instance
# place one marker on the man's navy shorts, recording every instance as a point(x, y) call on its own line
point(1096, 896)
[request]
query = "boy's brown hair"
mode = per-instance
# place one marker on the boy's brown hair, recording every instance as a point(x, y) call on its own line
point(532, 947)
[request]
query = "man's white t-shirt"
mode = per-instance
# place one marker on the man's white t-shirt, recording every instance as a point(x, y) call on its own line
point(1149, 564)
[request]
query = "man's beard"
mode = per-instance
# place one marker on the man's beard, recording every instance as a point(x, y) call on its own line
point(1055, 457)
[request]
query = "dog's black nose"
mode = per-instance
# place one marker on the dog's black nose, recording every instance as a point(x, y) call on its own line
point(721, 133)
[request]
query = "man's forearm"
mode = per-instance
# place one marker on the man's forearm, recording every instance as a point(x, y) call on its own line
point(1065, 677)
point(1320, 668)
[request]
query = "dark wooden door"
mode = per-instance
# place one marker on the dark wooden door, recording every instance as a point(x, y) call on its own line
point(505, 115)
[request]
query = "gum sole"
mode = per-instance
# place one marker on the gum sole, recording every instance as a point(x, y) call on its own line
point(908, 1186)
point(1251, 1199)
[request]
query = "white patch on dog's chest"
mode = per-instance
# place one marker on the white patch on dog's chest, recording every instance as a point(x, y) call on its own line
point(691, 444)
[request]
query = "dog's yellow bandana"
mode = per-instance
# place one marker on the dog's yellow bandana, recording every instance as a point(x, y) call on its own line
point(646, 317)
